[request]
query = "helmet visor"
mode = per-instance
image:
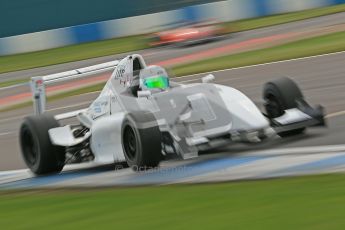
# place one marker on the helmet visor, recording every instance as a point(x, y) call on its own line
point(161, 82)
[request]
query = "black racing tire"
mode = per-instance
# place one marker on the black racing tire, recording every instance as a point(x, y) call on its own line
point(279, 95)
point(141, 141)
point(40, 155)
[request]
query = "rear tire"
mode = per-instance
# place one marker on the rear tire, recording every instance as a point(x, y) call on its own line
point(141, 141)
point(40, 155)
point(282, 94)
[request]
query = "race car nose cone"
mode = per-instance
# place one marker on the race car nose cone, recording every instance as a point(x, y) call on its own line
point(244, 114)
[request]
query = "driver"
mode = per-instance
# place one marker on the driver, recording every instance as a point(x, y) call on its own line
point(154, 78)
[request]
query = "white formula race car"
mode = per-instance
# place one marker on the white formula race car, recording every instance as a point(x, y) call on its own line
point(142, 118)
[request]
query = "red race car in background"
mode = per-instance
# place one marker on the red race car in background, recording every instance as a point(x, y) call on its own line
point(188, 33)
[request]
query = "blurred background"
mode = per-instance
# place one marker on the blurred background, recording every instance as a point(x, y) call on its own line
point(244, 43)
point(44, 24)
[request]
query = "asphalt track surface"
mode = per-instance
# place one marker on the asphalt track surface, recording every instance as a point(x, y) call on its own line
point(322, 80)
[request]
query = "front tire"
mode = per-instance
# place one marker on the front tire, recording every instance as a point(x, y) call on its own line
point(282, 94)
point(40, 155)
point(141, 141)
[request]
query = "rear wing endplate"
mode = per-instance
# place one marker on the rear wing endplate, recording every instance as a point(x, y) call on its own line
point(38, 84)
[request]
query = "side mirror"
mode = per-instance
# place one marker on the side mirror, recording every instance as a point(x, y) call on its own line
point(208, 78)
point(144, 93)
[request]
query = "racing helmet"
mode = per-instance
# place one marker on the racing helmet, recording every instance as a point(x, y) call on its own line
point(154, 77)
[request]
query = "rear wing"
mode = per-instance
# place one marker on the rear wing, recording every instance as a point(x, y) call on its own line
point(38, 84)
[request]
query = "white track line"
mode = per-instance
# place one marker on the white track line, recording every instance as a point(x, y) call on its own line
point(263, 64)
point(6, 133)
point(299, 150)
point(49, 110)
point(336, 114)
point(70, 106)
point(10, 172)
point(14, 86)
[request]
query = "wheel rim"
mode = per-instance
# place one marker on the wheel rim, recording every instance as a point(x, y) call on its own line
point(130, 143)
point(29, 147)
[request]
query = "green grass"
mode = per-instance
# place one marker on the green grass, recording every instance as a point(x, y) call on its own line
point(255, 23)
point(315, 202)
point(13, 82)
point(312, 46)
point(127, 44)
